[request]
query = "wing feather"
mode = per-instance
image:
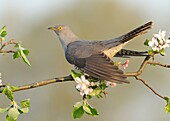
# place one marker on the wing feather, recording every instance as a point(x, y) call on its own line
point(101, 67)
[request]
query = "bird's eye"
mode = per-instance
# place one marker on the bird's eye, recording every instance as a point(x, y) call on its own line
point(60, 28)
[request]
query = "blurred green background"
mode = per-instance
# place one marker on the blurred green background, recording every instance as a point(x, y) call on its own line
point(28, 20)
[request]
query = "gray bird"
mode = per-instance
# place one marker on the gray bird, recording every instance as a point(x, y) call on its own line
point(94, 57)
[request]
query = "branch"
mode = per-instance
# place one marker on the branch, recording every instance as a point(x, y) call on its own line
point(142, 67)
point(139, 72)
point(42, 83)
point(69, 78)
point(147, 85)
point(159, 64)
point(12, 41)
point(7, 51)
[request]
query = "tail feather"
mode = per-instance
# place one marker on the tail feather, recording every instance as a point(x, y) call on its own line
point(127, 37)
point(127, 53)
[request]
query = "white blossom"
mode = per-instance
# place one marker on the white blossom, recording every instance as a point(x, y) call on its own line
point(83, 85)
point(159, 42)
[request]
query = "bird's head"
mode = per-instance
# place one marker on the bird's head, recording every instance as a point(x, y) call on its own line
point(59, 29)
point(65, 34)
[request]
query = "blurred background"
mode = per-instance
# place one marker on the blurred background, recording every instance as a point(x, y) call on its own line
point(28, 20)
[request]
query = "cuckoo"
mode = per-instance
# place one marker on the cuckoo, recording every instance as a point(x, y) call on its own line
point(94, 57)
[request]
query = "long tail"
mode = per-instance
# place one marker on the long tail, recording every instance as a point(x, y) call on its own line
point(127, 37)
point(124, 53)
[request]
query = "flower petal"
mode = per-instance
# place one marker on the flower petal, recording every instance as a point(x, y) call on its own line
point(78, 80)
point(151, 43)
point(78, 86)
point(84, 86)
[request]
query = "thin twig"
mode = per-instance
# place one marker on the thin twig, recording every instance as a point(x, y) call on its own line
point(12, 41)
point(159, 64)
point(142, 67)
point(7, 51)
point(147, 85)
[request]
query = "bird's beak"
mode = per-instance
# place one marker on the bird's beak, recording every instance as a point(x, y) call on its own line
point(52, 28)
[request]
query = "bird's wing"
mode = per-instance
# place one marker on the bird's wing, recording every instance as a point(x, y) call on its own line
point(101, 67)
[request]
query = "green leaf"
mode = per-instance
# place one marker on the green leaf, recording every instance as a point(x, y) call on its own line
point(26, 52)
point(4, 33)
point(78, 104)
point(103, 86)
point(14, 88)
point(13, 114)
point(3, 29)
point(87, 109)
point(166, 99)
point(88, 96)
point(21, 52)
point(150, 52)
point(17, 45)
point(16, 55)
point(93, 111)
point(146, 42)
point(99, 96)
point(167, 107)
point(77, 112)
point(75, 74)
point(3, 110)
point(162, 52)
point(24, 57)
point(23, 110)
point(96, 91)
point(8, 92)
point(25, 103)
